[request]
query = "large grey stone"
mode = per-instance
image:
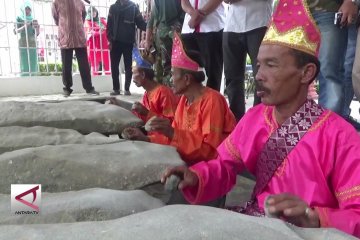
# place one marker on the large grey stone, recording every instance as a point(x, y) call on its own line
point(174, 222)
point(238, 196)
point(125, 165)
point(241, 192)
point(79, 206)
point(83, 116)
point(15, 137)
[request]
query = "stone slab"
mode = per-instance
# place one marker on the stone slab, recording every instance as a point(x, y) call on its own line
point(175, 222)
point(15, 137)
point(83, 116)
point(95, 204)
point(125, 165)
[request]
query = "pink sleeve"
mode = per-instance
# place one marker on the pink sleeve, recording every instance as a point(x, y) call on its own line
point(239, 151)
point(347, 220)
point(345, 181)
point(216, 177)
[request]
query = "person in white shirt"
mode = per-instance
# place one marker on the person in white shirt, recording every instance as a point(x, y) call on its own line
point(202, 31)
point(245, 27)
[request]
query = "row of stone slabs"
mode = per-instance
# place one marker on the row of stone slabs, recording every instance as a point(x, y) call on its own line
point(90, 178)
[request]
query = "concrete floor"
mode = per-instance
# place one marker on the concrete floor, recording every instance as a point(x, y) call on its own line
point(128, 100)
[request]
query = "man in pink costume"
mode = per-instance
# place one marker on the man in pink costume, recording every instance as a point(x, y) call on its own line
point(306, 159)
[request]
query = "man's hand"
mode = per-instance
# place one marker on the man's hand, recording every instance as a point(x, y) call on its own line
point(110, 45)
point(161, 125)
point(113, 101)
point(292, 209)
point(349, 12)
point(136, 134)
point(188, 178)
point(139, 108)
point(148, 45)
point(196, 18)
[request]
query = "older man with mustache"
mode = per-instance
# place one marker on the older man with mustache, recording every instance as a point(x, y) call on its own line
point(305, 158)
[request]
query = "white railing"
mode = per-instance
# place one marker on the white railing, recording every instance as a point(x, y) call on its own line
point(47, 52)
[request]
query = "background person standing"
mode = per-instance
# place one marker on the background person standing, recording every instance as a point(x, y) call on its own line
point(245, 28)
point(28, 28)
point(202, 31)
point(97, 42)
point(166, 17)
point(70, 17)
point(123, 17)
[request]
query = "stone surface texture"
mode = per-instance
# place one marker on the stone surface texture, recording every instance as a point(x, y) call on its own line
point(125, 165)
point(15, 137)
point(83, 116)
point(174, 222)
point(94, 204)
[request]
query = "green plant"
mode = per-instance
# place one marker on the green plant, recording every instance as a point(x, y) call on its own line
point(47, 69)
point(248, 61)
point(50, 67)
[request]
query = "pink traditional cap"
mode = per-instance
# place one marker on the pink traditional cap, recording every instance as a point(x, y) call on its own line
point(179, 59)
point(292, 25)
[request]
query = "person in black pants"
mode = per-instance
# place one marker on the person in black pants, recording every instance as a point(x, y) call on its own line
point(123, 17)
point(209, 44)
point(69, 16)
point(236, 46)
point(245, 27)
point(82, 58)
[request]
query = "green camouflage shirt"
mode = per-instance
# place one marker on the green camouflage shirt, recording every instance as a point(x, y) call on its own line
point(324, 5)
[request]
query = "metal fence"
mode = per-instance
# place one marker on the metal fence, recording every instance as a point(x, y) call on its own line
point(34, 51)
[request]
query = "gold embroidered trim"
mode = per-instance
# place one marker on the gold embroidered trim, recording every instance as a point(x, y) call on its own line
point(323, 215)
point(319, 123)
point(353, 189)
point(189, 118)
point(268, 121)
point(201, 186)
point(349, 196)
point(232, 149)
point(306, 40)
point(294, 38)
point(348, 193)
point(281, 169)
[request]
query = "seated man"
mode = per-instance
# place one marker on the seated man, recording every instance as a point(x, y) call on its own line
point(306, 159)
point(158, 100)
point(202, 119)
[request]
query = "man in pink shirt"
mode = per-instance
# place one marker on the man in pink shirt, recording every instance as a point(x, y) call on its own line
point(306, 159)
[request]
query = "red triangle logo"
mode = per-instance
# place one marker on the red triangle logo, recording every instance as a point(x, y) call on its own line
point(30, 204)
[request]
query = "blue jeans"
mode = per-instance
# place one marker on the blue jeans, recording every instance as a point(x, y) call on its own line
point(348, 65)
point(332, 58)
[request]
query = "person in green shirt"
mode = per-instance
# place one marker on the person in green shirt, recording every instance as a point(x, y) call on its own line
point(28, 29)
point(166, 17)
point(324, 5)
